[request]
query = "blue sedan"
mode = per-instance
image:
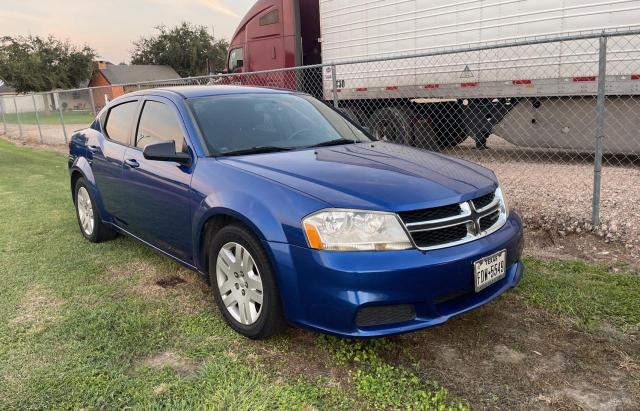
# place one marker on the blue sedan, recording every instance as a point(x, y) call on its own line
point(294, 214)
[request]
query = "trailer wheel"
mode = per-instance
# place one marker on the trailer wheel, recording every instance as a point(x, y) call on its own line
point(452, 137)
point(391, 124)
point(449, 128)
point(424, 134)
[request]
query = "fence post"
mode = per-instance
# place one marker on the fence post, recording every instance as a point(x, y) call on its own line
point(597, 168)
point(64, 130)
point(15, 105)
point(35, 110)
point(93, 103)
point(4, 120)
point(334, 80)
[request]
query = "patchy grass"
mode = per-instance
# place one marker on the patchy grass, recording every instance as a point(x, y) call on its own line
point(587, 293)
point(114, 325)
point(70, 117)
point(386, 385)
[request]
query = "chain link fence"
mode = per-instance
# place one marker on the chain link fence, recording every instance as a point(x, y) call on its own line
point(555, 118)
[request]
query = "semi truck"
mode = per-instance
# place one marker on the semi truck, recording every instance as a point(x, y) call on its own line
point(532, 95)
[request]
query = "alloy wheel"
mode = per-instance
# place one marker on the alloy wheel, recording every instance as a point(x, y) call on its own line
point(239, 283)
point(85, 211)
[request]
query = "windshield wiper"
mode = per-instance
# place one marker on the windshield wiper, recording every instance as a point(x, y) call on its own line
point(256, 150)
point(336, 142)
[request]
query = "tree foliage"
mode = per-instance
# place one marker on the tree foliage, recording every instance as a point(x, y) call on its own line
point(35, 63)
point(185, 47)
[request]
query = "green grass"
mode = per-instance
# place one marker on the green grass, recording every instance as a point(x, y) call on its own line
point(586, 293)
point(70, 117)
point(83, 325)
point(79, 328)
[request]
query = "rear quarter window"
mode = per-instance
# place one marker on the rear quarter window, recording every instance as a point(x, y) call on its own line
point(120, 121)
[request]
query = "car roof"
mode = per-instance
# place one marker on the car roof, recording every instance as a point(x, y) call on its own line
point(206, 91)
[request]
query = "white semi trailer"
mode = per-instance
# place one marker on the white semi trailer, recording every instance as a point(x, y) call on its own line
point(538, 95)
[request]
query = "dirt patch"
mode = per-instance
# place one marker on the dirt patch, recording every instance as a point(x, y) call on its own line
point(161, 388)
point(587, 246)
point(170, 281)
point(148, 280)
point(37, 310)
point(508, 356)
point(298, 353)
point(172, 360)
point(57, 147)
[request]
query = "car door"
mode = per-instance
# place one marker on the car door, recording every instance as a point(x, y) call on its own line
point(158, 192)
point(108, 155)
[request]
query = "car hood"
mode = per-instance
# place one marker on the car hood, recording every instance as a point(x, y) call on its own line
point(379, 176)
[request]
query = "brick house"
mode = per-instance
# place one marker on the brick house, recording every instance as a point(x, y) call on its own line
point(115, 80)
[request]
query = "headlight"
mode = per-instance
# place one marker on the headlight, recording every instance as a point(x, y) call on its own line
point(353, 230)
point(503, 201)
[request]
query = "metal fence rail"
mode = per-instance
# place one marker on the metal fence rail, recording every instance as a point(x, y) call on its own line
point(542, 108)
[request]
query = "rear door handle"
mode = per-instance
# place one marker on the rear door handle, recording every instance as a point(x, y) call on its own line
point(133, 163)
point(94, 149)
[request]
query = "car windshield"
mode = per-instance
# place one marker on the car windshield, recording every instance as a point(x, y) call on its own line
point(253, 123)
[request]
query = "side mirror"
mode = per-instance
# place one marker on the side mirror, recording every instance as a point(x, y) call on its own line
point(165, 151)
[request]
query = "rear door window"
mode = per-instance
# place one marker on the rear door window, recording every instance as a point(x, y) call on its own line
point(159, 122)
point(120, 121)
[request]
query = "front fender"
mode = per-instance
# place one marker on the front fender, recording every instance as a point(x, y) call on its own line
point(256, 216)
point(273, 211)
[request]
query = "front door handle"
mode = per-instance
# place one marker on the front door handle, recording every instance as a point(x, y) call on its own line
point(94, 149)
point(131, 162)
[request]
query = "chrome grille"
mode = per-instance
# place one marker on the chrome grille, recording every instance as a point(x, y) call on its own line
point(481, 202)
point(435, 213)
point(488, 221)
point(455, 224)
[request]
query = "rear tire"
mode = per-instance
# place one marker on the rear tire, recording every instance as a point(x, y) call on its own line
point(244, 284)
point(89, 219)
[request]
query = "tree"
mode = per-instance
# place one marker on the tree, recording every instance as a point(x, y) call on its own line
point(34, 63)
point(185, 47)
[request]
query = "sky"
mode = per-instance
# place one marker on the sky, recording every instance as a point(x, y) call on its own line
point(110, 26)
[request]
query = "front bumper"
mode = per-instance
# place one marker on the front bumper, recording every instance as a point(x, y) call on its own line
point(325, 290)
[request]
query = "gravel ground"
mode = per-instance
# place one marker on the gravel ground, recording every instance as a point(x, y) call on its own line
point(551, 191)
point(557, 198)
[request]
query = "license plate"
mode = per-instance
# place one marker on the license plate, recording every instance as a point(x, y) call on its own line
point(490, 269)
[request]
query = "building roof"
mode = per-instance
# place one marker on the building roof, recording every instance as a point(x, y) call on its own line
point(123, 74)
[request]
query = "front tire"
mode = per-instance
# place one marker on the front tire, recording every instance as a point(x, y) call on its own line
point(89, 220)
point(243, 283)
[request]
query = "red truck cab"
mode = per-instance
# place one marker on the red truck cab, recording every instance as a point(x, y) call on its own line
point(276, 34)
